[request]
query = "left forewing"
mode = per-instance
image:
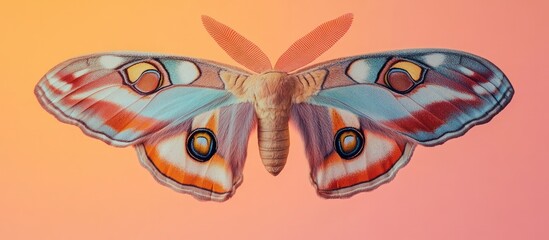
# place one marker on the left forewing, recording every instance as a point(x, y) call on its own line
point(124, 98)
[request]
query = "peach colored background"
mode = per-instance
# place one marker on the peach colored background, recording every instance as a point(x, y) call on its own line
point(57, 183)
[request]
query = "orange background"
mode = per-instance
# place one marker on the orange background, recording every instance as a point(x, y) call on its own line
point(57, 183)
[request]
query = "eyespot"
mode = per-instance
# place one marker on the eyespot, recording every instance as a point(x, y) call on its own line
point(348, 142)
point(201, 144)
point(144, 77)
point(402, 76)
point(148, 81)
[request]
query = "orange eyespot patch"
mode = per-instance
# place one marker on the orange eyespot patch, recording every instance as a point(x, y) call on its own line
point(201, 144)
point(144, 77)
point(348, 142)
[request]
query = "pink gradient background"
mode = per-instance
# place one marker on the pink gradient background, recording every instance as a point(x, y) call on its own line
point(57, 183)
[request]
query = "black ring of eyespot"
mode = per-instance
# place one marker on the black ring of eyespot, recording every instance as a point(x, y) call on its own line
point(123, 71)
point(194, 153)
point(359, 143)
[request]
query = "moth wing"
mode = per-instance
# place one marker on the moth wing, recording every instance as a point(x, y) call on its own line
point(205, 155)
point(123, 99)
point(385, 104)
point(428, 96)
point(348, 154)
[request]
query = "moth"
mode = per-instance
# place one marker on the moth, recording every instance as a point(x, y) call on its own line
point(360, 117)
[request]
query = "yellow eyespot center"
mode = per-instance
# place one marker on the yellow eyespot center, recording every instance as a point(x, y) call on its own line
point(413, 69)
point(201, 143)
point(135, 71)
point(348, 141)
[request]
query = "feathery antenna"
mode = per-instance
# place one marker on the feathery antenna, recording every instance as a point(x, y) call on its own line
point(311, 46)
point(238, 47)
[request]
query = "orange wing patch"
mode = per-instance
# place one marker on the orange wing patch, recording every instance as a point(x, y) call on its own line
point(336, 173)
point(381, 156)
point(169, 160)
point(213, 175)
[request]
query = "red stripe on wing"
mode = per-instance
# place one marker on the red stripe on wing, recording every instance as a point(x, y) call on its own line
point(370, 173)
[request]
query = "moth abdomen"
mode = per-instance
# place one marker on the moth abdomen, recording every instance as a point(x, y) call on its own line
point(274, 143)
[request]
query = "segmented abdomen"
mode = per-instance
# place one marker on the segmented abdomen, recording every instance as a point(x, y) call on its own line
point(274, 140)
